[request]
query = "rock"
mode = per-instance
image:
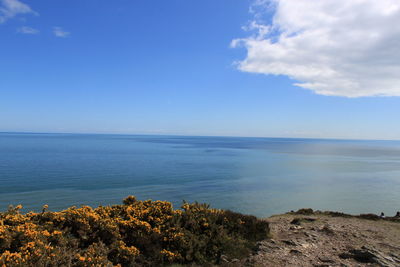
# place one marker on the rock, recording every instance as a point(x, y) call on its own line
point(314, 237)
point(289, 242)
point(295, 252)
point(326, 259)
point(327, 229)
point(305, 245)
point(359, 255)
point(368, 255)
point(224, 258)
point(295, 228)
point(298, 221)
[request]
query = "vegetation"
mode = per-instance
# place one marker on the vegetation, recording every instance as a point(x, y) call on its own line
point(368, 216)
point(137, 233)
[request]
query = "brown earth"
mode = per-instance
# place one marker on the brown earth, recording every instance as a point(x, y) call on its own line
point(322, 239)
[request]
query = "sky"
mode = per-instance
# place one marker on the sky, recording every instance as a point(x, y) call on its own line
point(267, 68)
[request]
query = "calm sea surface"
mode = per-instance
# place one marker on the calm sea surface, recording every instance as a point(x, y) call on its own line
point(260, 176)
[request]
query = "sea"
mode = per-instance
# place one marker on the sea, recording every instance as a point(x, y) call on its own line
point(258, 176)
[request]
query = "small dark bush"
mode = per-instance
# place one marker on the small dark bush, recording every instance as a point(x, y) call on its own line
point(305, 212)
point(369, 216)
point(337, 214)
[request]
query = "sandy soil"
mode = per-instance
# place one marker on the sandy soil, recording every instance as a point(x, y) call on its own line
point(322, 240)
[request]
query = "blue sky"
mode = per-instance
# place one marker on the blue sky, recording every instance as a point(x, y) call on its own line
point(170, 67)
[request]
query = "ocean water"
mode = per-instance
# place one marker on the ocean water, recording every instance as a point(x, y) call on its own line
point(259, 176)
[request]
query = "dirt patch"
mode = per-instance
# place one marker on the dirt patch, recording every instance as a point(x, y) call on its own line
point(320, 239)
point(328, 239)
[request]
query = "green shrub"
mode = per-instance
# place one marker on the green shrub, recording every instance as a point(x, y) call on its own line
point(137, 233)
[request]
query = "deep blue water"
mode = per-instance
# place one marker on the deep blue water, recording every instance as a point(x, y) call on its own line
point(260, 176)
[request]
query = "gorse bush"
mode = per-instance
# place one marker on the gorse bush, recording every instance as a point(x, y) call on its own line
point(137, 233)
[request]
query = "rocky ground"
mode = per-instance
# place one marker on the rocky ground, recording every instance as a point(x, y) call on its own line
point(322, 239)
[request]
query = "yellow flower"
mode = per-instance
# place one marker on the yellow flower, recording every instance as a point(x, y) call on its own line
point(46, 233)
point(169, 255)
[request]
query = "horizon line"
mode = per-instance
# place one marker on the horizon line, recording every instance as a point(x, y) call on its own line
point(189, 135)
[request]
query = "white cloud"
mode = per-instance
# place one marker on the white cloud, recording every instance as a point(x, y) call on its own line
point(12, 8)
point(27, 30)
point(59, 32)
point(333, 47)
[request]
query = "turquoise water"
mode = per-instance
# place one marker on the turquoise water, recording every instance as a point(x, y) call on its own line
point(260, 176)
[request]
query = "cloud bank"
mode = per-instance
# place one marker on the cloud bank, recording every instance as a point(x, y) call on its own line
point(12, 8)
point(27, 30)
point(332, 47)
point(59, 32)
